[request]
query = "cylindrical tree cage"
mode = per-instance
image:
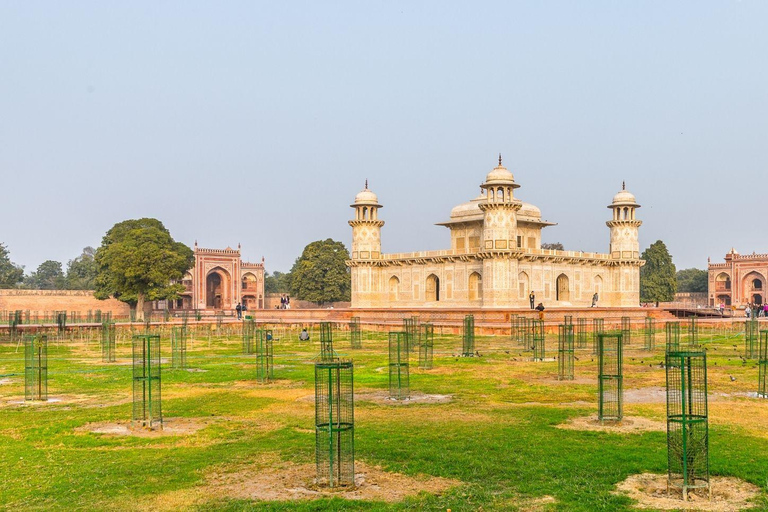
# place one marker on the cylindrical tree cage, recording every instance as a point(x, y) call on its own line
point(650, 334)
point(762, 382)
point(527, 337)
point(687, 421)
point(36, 367)
point(568, 320)
point(610, 377)
point(514, 328)
point(581, 333)
point(750, 338)
point(539, 339)
point(565, 352)
point(399, 371)
point(326, 342)
point(426, 347)
point(147, 410)
point(14, 319)
point(335, 423)
point(249, 330)
point(355, 333)
point(626, 330)
point(693, 331)
point(598, 327)
point(468, 336)
point(672, 336)
point(108, 338)
point(264, 357)
point(179, 347)
point(61, 321)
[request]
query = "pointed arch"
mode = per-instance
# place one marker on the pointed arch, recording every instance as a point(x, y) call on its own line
point(523, 285)
point(433, 288)
point(394, 289)
point(475, 286)
point(562, 288)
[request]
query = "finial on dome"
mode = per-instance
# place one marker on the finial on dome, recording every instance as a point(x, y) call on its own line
point(366, 184)
point(623, 185)
point(499, 159)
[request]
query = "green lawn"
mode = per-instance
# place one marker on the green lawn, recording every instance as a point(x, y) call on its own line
point(497, 438)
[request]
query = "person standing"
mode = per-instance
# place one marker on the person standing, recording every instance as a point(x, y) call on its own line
point(531, 298)
point(239, 310)
point(594, 300)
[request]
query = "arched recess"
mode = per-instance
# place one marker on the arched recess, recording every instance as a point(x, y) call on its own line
point(523, 285)
point(562, 290)
point(433, 288)
point(394, 289)
point(598, 285)
point(753, 287)
point(250, 282)
point(217, 286)
point(475, 286)
point(723, 282)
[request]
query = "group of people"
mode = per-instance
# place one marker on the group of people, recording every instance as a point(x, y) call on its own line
point(540, 306)
point(285, 302)
point(756, 310)
point(240, 309)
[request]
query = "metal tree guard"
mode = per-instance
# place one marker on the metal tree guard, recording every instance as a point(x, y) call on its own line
point(426, 348)
point(693, 331)
point(355, 334)
point(326, 342)
point(147, 410)
point(598, 327)
point(610, 377)
point(399, 371)
point(565, 352)
point(762, 382)
point(750, 338)
point(179, 347)
point(249, 330)
point(468, 336)
point(264, 357)
point(538, 339)
point(334, 423)
point(626, 330)
point(108, 337)
point(514, 328)
point(61, 320)
point(650, 334)
point(36, 367)
point(581, 333)
point(687, 421)
point(672, 338)
point(527, 335)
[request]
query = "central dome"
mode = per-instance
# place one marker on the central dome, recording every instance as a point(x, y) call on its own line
point(500, 176)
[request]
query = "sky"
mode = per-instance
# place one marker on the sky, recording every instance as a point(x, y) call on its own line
point(258, 122)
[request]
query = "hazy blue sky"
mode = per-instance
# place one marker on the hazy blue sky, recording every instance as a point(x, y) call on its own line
point(259, 122)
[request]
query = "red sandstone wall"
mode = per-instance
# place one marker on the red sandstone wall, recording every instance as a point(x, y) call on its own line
point(59, 300)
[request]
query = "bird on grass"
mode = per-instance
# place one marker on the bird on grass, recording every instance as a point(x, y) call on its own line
point(506, 351)
point(733, 379)
point(477, 353)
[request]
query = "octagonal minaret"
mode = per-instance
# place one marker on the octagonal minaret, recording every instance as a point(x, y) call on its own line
point(366, 226)
point(499, 234)
point(624, 226)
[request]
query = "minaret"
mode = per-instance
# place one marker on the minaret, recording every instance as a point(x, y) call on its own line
point(499, 234)
point(366, 226)
point(624, 289)
point(366, 249)
point(624, 226)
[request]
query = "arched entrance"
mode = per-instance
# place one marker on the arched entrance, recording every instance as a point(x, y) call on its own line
point(433, 288)
point(562, 293)
point(753, 287)
point(217, 289)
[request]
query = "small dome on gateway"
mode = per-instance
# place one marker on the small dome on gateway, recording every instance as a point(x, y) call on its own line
point(500, 176)
point(624, 198)
point(366, 197)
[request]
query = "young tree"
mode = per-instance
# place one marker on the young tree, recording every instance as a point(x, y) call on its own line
point(82, 271)
point(657, 276)
point(48, 276)
point(692, 280)
point(10, 273)
point(320, 273)
point(138, 260)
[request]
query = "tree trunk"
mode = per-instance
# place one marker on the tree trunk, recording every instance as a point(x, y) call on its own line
point(140, 307)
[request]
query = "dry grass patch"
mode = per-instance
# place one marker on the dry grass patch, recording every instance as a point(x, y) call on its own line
point(629, 425)
point(650, 491)
point(171, 427)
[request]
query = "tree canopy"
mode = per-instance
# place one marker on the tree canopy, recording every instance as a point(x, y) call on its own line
point(82, 271)
point(138, 260)
point(10, 273)
point(320, 273)
point(556, 246)
point(277, 282)
point(657, 277)
point(48, 276)
point(692, 280)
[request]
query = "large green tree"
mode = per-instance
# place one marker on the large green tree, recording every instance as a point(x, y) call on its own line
point(82, 271)
point(320, 274)
point(48, 276)
point(692, 280)
point(10, 273)
point(277, 282)
point(657, 277)
point(138, 260)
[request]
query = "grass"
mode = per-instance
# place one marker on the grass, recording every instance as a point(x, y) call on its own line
point(498, 436)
